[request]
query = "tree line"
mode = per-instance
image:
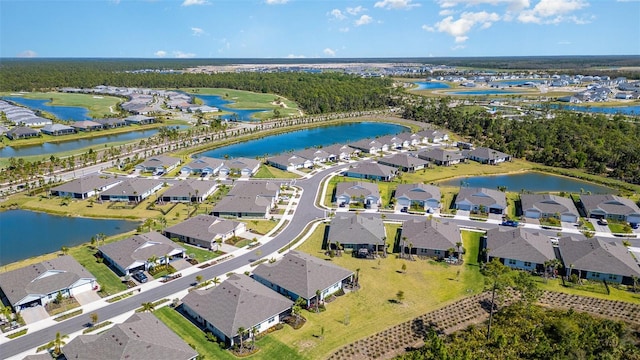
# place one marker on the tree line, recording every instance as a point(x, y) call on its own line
point(596, 143)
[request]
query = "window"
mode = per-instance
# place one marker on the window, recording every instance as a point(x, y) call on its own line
point(595, 275)
point(424, 251)
point(613, 277)
point(527, 264)
point(272, 319)
point(437, 252)
point(512, 262)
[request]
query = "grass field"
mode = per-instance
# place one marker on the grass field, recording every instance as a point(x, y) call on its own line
point(250, 100)
point(270, 348)
point(98, 106)
point(270, 172)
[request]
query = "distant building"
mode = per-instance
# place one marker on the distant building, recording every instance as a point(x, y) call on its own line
point(57, 129)
point(204, 230)
point(424, 197)
point(371, 171)
point(21, 132)
point(519, 248)
point(481, 199)
point(249, 199)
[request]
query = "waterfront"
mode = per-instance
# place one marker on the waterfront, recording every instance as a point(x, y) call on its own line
point(531, 181)
point(26, 233)
point(73, 113)
point(301, 139)
point(430, 85)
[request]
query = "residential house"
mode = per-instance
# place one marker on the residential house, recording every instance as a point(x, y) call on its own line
point(404, 162)
point(241, 166)
point(431, 237)
point(481, 199)
point(598, 259)
point(421, 196)
point(537, 206)
point(363, 233)
point(518, 248)
point(371, 171)
point(395, 142)
point(249, 199)
point(340, 152)
point(39, 284)
point(158, 163)
point(139, 120)
point(189, 190)
point(140, 337)
point(138, 252)
point(204, 230)
point(433, 136)
point(317, 156)
point(610, 207)
point(299, 275)
point(289, 162)
point(111, 123)
point(21, 132)
point(442, 157)
point(486, 155)
point(57, 129)
point(203, 165)
point(86, 125)
point(132, 189)
point(238, 302)
point(370, 146)
point(358, 192)
point(86, 186)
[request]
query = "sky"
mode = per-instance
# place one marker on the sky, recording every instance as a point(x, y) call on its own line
point(317, 28)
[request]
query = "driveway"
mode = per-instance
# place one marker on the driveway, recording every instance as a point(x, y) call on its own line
point(598, 227)
point(33, 314)
point(87, 297)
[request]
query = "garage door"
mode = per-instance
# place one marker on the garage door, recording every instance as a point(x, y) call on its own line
point(532, 214)
point(81, 288)
point(569, 218)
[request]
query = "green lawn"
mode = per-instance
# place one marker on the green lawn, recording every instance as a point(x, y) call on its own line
point(269, 172)
point(270, 348)
point(98, 105)
point(199, 253)
point(251, 100)
point(620, 228)
point(110, 283)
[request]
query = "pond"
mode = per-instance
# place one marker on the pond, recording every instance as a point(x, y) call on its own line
point(430, 85)
point(74, 113)
point(26, 233)
point(302, 139)
point(625, 110)
point(236, 114)
point(531, 181)
point(70, 145)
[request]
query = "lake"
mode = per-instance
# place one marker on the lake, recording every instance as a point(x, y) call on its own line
point(70, 145)
point(302, 139)
point(531, 181)
point(220, 103)
point(430, 85)
point(26, 233)
point(625, 110)
point(74, 113)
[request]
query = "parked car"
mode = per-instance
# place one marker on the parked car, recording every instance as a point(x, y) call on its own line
point(140, 277)
point(603, 222)
point(634, 225)
point(404, 209)
point(511, 223)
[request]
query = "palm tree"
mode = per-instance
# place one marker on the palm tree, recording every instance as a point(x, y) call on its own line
point(215, 281)
point(410, 249)
point(254, 332)
point(241, 332)
point(403, 249)
point(148, 306)
point(198, 279)
point(58, 343)
point(163, 221)
point(451, 251)
point(152, 261)
point(101, 237)
point(94, 318)
point(219, 243)
point(65, 250)
point(459, 246)
point(317, 301)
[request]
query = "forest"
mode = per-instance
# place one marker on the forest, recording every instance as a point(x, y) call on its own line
point(531, 332)
point(314, 93)
point(601, 145)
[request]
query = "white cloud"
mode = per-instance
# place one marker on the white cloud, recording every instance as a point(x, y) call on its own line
point(363, 20)
point(395, 4)
point(194, 2)
point(329, 52)
point(459, 28)
point(553, 12)
point(276, 2)
point(183, 55)
point(197, 31)
point(160, 53)
point(344, 29)
point(28, 54)
point(428, 28)
point(356, 10)
point(336, 13)
point(292, 56)
point(446, 12)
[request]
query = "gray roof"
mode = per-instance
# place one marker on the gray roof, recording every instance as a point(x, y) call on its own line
point(482, 196)
point(356, 229)
point(203, 162)
point(87, 184)
point(160, 161)
point(549, 204)
point(203, 227)
point(237, 302)
point(242, 163)
point(17, 284)
point(431, 134)
point(126, 252)
point(138, 118)
point(248, 196)
point(487, 153)
point(55, 127)
point(84, 124)
point(418, 192)
point(189, 186)
point(369, 168)
point(598, 255)
point(431, 234)
point(520, 244)
point(357, 188)
point(611, 204)
point(21, 130)
point(441, 155)
point(110, 121)
point(130, 186)
point(337, 149)
point(403, 160)
point(142, 336)
point(312, 154)
point(366, 144)
point(287, 159)
point(41, 356)
point(302, 274)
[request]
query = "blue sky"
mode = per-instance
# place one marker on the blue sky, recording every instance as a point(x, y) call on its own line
point(317, 28)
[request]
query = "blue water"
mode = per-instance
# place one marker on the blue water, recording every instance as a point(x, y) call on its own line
point(52, 148)
point(302, 139)
point(517, 82)
point(430, 85)
point(531, 181)
point(483, 92)
point(74, 113)
point(220, 103)
point(626, 110)
point(24, 234)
